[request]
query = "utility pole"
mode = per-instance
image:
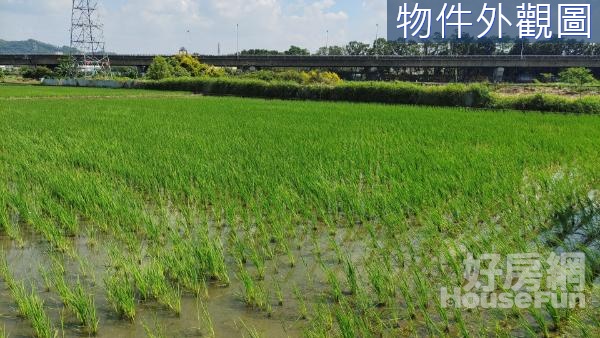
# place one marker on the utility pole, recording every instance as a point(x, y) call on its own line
point(522, 47)
point(87, 37)
point(327, 41)
point(237, 39)
point(376, 38)
point(189, 42)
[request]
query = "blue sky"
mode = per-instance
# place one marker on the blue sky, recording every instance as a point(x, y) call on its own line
point(160, 26)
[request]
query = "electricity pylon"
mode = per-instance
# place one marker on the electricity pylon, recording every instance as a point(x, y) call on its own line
point(87, 37)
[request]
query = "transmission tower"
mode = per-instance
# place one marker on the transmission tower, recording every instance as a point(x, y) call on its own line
point(87, 37)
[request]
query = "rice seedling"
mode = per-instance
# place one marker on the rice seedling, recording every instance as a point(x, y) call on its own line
point(443, 313)
point(250, 331)
point(350, 324)
point(322, 323)
point(527, 326)
point(74, 297)
point(204, 317)
point(258, 261)
point(302, 308)
point(6, 224)
point(278, 292)
point(337, 250)
point(152, 284)
point(253, 292)
point(539, 318)
point(30, 305)
point(462, 325)
point(345, 322)
point(381, 281)
point(351, 277)
point(334, 284)
point(290, 255)
point(156, 330)
point(121, 294)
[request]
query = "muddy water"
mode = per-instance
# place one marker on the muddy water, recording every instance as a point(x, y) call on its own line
point(229, 315)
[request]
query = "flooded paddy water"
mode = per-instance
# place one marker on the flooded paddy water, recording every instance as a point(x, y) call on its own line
point(222, 307)
point(221, 311)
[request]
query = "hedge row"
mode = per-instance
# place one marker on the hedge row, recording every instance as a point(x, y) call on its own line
point(452, 95)
point(549, 103)
point(455, 95)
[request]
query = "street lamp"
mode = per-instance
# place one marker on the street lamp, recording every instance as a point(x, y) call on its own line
point(189, 42)
point(327, 42)
point(376, 38)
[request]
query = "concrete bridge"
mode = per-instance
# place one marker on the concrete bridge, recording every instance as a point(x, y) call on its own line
point(471, 61)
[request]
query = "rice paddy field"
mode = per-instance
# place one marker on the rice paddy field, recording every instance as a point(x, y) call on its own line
point(127, 213)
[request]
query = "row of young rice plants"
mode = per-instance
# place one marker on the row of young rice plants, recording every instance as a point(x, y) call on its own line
point(370, 209)
point(18, 91)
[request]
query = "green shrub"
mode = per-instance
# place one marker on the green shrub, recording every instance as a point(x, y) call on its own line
point(453, 95)
point(67, 67)
point(301, 77)
point(126, 72)
point(159, 69)
point(329, 78)
point(39, 72)
point(384, 92)
point(578, 76)
point(181, 65)
point(550, 103)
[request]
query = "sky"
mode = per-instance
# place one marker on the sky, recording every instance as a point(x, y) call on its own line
point(161, 26)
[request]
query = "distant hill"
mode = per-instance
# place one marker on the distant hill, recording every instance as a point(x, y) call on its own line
point(31, 47)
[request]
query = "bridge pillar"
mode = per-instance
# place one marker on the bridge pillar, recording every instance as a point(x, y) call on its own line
point(498, 75)
point(373, 73)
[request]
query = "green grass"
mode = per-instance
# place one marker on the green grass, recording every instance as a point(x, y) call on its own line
point(37, 91)
point(198, 192)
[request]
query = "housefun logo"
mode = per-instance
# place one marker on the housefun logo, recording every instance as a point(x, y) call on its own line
point(526, 280)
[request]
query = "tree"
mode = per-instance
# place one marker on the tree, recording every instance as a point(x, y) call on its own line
point(67, 67)
point(578, 76)
point(381, 47)
point(259, 52)
point(357, 48)
point(159, 69)
point(295, 50)
point(331, 50)
point(1, 74)
point(190, 65)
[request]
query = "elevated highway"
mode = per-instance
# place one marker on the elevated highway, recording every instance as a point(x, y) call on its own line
point(507, 61)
